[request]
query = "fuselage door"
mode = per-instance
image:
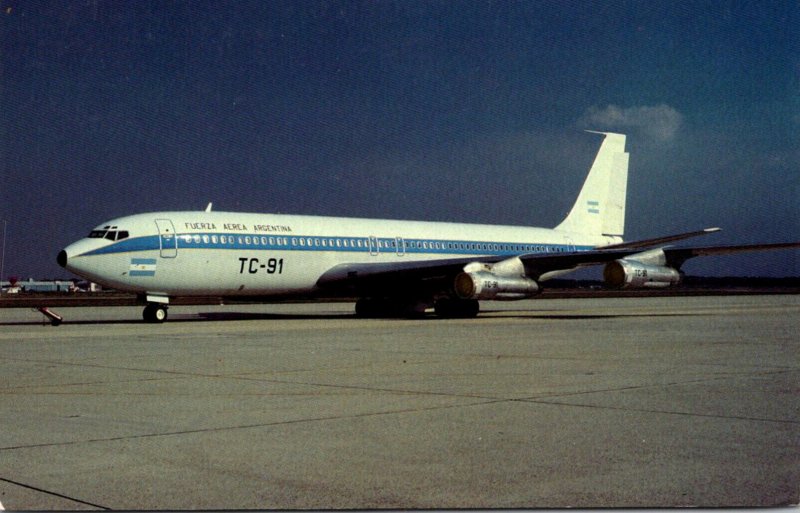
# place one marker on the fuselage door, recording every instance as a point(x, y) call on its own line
point(374, 248)
point(401, 246)
point(168, 241)
point(569, 243)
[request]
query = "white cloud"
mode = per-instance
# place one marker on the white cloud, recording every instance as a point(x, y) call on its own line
point(660, 122)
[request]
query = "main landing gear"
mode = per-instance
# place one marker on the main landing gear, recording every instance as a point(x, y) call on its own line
point(447, 308)
point(155, 313)
point(389, 308)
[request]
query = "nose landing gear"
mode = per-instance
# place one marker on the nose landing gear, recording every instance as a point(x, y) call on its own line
point(155, 313)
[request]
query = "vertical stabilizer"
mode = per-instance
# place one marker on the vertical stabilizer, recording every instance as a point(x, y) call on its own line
point(600, 207)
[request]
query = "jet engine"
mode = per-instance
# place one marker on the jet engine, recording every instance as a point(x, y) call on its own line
point(632, 274)
point(504, 280)
point(483, 285)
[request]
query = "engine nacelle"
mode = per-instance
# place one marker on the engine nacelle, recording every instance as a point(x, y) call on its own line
point(632, 274)
point(487, 285)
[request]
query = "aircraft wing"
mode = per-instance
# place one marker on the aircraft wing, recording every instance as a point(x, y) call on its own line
point(413, 275)
point(416, 276)
point(677, 256)
point(646, 243)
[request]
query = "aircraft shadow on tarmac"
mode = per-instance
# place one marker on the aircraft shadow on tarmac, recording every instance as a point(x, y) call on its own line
point(255, 316)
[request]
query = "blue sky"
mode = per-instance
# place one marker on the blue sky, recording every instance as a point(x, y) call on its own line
point(466, 111)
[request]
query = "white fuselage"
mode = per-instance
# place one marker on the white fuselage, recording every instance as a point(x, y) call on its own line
point(238, 254)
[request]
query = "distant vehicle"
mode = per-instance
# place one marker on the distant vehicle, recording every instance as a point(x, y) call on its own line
point(394, 267)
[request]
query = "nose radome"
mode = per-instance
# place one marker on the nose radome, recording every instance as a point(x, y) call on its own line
point(62, 258)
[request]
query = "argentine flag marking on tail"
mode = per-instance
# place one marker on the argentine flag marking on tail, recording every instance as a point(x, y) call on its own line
point(142, 267)
point(594, 207)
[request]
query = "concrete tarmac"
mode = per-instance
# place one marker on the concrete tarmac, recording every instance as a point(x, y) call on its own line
point(643, 402)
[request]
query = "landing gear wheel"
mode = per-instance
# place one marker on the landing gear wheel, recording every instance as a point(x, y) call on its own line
point(155, 313)
point(457, 308)
point(366, 308)
point(390, 308)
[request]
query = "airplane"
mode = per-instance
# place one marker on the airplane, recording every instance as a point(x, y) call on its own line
point(394, 268)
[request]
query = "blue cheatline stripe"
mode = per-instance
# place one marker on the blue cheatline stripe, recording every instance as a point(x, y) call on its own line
point(142, 273)
point(143, 261)
point(387, 245)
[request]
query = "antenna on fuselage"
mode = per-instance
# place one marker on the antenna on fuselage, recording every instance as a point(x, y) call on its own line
point(208, 208)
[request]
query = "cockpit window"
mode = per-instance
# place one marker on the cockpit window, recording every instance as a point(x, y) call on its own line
point(112, 234)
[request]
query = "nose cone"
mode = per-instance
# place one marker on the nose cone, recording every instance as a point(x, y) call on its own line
point(62, 258)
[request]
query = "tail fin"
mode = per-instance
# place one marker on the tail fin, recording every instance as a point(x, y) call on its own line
point(600, 207)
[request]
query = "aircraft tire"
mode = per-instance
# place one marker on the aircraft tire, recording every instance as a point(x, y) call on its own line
point(366, 308)
point(389, 308)
point(448, 308)
point(154, 313)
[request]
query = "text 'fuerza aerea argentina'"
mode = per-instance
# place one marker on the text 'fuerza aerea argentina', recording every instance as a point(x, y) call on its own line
point(239, 227)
